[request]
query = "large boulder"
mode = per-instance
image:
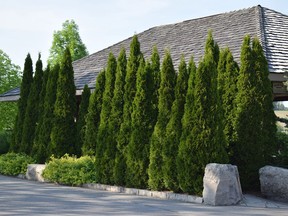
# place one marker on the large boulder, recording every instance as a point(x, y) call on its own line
point(274, 183)
point(34, 172)
point(221, 185)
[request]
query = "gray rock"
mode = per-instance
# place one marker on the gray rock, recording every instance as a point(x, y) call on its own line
point(274, 183)
point(221, 185)
point(34, 172)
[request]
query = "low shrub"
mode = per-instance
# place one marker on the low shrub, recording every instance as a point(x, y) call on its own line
point(14, 164)
point(69, 170)
point(281, 158)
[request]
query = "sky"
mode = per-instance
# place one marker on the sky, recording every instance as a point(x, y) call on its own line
point(28, 26)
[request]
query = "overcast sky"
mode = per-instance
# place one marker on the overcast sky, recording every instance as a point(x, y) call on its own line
point(28, 26)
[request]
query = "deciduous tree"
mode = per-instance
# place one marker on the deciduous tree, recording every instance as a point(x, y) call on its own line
point(9, 78)
point(67, 37)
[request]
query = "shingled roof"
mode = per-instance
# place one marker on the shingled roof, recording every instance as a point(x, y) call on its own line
point(188, 38)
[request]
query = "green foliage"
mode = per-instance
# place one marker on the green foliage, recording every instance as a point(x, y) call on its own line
point(41, 151)
point(32, 111)
point(22, 104)
point(206, 143)
point(264, 94)
point(184, 156)
point(142, 128)
point(13, 164)
point(70, 170)
point(247, 154)
point(40, 111)
point(63, 134)
point(10, 78)
point(116, 117)
point(174, 129)
point(83, 110)
point(281, 156)
point(129, 94)
point(93, 116)
point(228, 72)
point(67, 37)
point(105, 150)
point(166, 98)
point(155, 66)
point(5, 139)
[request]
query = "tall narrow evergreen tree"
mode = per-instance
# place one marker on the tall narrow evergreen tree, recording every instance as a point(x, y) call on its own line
point(22, 104)
point(41, 150)
point(116, 117)
point(174, 129)
point(129, 94)
point(36, 144)
point(105, 152)
point(265, 98)
point(247, 154)
point(32, 110)
point(184, 157)
point(83, 110)
point(93, 116)
point(63, 134)
point(228, 72)
point(155, 67)
point(142, 120)
point(206, 144)
point(166, 98)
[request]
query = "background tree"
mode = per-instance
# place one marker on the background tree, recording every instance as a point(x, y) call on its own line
point(93, 116)
point(174, 129)
point(105, 152)
point(184, 157)
point(228, 72)
point(116, 117)
point(63, 134)
point(9, 78)
point(129, 94)
point(83, 110)
point(26, 83)
point(67, 37)
point(32, 111)
point(142, 128)
point(166, 98)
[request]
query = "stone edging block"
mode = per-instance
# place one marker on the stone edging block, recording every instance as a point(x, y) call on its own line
point(147, 193)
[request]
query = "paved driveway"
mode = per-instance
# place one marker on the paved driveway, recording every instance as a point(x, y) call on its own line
point(22, 197)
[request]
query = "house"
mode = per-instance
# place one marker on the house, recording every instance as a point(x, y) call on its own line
point(188, 38)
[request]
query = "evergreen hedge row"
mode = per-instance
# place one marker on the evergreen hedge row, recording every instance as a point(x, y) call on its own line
point(152, 127)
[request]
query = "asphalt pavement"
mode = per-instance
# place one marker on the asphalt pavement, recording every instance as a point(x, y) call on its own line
point(23, 197)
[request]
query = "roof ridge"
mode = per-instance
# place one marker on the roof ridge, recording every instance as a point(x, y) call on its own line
point(260, 27)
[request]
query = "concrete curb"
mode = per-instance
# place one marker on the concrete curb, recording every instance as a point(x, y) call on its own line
point(147, 193)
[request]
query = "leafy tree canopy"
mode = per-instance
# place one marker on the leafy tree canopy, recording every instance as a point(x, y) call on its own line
point(9, 78)
point(67, 37)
